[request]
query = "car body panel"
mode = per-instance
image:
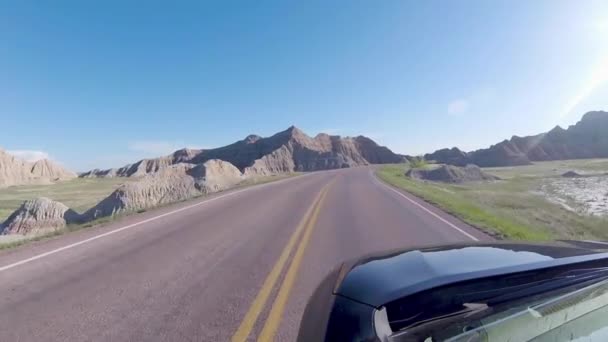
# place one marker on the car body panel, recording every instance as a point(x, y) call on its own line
point(379, 279)
point(345, 306)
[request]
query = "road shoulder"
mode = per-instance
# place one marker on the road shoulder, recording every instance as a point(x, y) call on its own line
point(449, 220)
point(46, 244)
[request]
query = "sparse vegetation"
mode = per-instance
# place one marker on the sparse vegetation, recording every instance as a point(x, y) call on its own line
point(512, 207)
point(418, 163)
point(11, 241)
point(79, 194)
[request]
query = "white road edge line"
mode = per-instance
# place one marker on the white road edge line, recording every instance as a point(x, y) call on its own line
point(593, 241)
point(54, 251)
point(423, 208)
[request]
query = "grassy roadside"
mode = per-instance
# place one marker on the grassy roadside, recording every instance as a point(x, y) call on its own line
point(496, 220)
point(22, 240)
point(107, 186)
point(79, 194)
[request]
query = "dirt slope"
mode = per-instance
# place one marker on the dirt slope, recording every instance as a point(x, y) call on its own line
point(451, 174)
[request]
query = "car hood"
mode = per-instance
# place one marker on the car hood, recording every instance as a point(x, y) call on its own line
point(380, 279)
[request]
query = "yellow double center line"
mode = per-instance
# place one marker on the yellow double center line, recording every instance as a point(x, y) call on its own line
point(306, 226)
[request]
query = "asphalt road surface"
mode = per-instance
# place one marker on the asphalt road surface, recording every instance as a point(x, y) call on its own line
point(236, 266)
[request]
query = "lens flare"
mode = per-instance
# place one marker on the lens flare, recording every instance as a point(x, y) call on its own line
point(600, 76)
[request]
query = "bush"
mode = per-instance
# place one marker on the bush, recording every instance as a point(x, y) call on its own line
point(418, 163)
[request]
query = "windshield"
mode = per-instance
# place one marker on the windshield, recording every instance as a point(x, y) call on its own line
point(572, 316)
point(563, 307)
point(194, 170)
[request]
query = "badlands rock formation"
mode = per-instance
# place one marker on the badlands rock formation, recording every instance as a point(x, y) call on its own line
point(40, 215)
point(14, 171)
point(451, 174)
point(587, 139)
point(287, 151)
point(189, 173)
point(171, 184)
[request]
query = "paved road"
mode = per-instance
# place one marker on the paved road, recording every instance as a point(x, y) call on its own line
point(238, 265)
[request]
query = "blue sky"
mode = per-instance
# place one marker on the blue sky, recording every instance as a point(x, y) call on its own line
point(103, 83)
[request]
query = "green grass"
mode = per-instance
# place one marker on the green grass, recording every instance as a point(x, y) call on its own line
point(550, 169)
point(510, 208)
point(79, 194)
point(69, 228)
point(23, 240)
point(82, 194)
point(418, 163)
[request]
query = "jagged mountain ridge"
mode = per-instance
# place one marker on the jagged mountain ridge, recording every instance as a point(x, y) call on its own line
point(588, 138)
point(286, 151)
point(14, 171)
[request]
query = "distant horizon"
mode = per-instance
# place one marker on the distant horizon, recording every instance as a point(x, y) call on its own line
point(98, 85)
point(32, 156)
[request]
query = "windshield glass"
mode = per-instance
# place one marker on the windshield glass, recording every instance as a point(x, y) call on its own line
point(574, 315)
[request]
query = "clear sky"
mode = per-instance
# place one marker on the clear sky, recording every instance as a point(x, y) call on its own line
point(103, 83)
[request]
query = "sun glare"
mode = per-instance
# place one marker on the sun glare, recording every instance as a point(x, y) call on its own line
point(599, 77)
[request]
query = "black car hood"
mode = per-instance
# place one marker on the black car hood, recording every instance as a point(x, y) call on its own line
point(379, 279)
